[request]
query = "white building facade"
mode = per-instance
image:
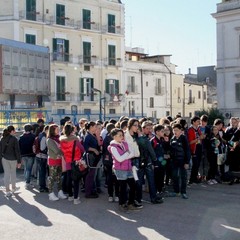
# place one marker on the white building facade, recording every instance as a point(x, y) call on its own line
point(228, 57)
point(86, 43)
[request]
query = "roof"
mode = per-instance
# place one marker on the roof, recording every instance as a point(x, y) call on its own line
point(22, 45)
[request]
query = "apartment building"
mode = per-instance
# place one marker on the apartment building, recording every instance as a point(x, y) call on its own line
point(86, 45)
point(228, 57)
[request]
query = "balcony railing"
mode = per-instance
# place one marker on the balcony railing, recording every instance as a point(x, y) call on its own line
point(61, 57)
point(31, 16)
point(112, 29)
point(132, 88)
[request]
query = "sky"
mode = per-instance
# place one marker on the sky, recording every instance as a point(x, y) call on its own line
point(184, 29)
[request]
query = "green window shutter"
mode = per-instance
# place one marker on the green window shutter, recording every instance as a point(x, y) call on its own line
point(86, 52)
point(54, 45)
point(81, 89)
point(60, 18)
point(111, 23)
point(60, 88)
point(92, 86)
point(86, 19)
point(31, 39)
point(31, 10)
point(111, 55)
point(107, 86)
point(116, 86)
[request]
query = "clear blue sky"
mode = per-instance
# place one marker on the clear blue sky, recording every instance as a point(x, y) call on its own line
point(183, 28)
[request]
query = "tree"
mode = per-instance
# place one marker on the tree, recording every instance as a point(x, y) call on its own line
point(212, 114)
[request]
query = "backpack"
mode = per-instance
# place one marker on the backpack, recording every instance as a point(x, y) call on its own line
point(36, 145)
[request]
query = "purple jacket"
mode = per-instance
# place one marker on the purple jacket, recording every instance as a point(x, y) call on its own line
point(126, 164)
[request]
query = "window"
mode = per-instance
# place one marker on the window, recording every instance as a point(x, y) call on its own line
point(237, 92)
point(60, 111)
point(86, 19)
point(87, 111)
point(190, 114)
point(159, 89)
point(204, 95)
point(60, 14)
point(60, 50)
point(131, 108)
point(199, 94)
point(112, 111)
point(86, 93)
point(151, 102)
point(111, 23)
point(190, 98)
point(60, 88)
point(31, 10)
point(86, 52)
point(31, 39)
point(131, 84)
point(112, 87)
point(111, 55)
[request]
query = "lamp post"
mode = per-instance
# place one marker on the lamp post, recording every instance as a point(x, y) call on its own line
point(100, 102)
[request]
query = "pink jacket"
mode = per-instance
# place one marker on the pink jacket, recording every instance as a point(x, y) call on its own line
point(122, 149)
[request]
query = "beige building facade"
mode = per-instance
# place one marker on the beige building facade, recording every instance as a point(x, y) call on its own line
point(86, 45)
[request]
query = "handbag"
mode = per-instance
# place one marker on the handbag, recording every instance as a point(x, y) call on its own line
point(221, 158)
point(79, 168)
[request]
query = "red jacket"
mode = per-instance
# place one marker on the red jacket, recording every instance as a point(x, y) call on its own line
point(66, 144)
point(192, 136)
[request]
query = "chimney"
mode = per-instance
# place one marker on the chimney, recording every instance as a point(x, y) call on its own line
point(189, 71)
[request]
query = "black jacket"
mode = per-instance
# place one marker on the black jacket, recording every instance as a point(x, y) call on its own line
point(26, 141)
point(180, 151)
point(9, 148)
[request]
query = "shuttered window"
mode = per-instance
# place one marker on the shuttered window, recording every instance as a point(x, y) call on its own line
point(60, 14)
point(60, 88)
point(86, 14)
point(31, 10)
point(111, 23)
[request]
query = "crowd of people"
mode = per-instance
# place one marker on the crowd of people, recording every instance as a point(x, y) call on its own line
point(129, 153)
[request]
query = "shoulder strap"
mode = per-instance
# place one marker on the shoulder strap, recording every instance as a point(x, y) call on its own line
point(73, 150)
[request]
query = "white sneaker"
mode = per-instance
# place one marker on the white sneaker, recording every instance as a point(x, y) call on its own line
point(8, 194)
point(15, 189)
point(70, 198)
point(76, 201)
point(110, 199)
point(116, 199)
point(61, 195)
point(214, 181)
point(53, 197)
point(210, 182)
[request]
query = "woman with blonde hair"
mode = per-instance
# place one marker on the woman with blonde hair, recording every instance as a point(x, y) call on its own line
point(55, 162)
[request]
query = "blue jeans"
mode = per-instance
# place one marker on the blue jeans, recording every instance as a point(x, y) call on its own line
point(28, 164)
point(42, 171)
point(151, 183)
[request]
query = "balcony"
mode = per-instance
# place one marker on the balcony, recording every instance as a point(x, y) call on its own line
point(132, 89)
point(113, 62)
point(61, 57)
point(91, 26)
point(191, 100)
point(112, 29)
point(31, 16)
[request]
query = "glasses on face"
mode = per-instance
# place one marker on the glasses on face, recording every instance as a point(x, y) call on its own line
point(135, 125)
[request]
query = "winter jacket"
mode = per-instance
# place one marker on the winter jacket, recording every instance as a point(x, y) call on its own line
point(133, 146)
point(54, 153)
point(180, 152)
point(9, 148)
point(121, 156)
point(147, 154)
point(26, 141)
point(192, 135)
point(66, 144)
